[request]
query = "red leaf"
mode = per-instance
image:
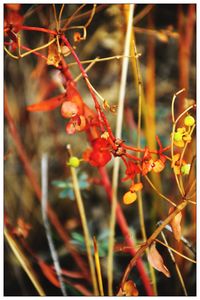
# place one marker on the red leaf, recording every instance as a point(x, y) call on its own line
point(49, 273)
point(47, 105)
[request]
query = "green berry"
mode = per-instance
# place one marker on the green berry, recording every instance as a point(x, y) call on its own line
point(74, 162)
point(189, 121)
point(178, 136)
point(185, 169)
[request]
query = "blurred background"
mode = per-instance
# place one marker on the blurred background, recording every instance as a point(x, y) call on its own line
point(165, 36)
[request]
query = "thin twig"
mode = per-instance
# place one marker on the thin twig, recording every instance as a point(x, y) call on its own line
point(159, 193)
point(175, 251)
point(176, 265)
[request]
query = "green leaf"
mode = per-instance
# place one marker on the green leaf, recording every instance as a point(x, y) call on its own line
point(60, 183)
point(78, 237)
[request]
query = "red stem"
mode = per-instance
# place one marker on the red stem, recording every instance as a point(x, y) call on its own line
point(31, 28)
point(125, 231)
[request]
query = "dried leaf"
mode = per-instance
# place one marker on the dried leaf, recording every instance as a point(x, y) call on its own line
point(156, 260)
point(176, 224)
point(54, 57)
point(128, 289)
point(46, 105)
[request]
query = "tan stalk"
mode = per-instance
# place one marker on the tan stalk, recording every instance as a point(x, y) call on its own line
point(24, 262)
point(86, 233)
point(117, 160)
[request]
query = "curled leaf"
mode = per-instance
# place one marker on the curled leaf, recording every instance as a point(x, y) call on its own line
point(176, 224)
point(156, 260)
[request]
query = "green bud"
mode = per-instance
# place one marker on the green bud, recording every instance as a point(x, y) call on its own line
point(74, 162)
point(189, 121)
point(185, 169)
point(178, 136)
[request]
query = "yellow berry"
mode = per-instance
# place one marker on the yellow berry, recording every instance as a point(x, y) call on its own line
point(189, 121)
point(74, 162)
point(177, 136)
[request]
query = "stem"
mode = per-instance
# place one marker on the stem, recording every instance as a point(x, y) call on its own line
point(98, 266)
point(84, 224)
point(54, 255)
point(97, 59)
point(117, 160)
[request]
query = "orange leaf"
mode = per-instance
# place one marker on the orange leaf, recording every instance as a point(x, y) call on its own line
point(46, 105)
point(156, 260)
point(158, 166)
point(129, 197)
point(49, 273)
point(176, 224)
